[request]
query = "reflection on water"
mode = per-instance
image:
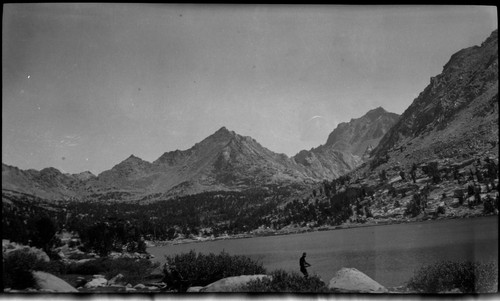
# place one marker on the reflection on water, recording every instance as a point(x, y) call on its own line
point(388, 254)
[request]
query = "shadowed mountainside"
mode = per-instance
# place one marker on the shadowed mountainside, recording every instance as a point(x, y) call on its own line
point(455, 115)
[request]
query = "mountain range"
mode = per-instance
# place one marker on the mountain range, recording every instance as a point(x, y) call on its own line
point(455, 115)
point(223, 161)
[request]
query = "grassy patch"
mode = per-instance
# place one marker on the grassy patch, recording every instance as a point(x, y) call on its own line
point(469, 277)
point(283, 281)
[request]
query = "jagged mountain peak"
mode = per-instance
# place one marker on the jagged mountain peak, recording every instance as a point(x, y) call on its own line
point(222, 133)
point(346, 146)
point(376, 113)
point(223, 130)
point(133, 157)
point(373, 125)
point(83, 176)
point(132, 160)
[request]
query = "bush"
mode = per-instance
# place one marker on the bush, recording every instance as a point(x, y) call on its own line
point(413, 208)
point(469, 277)
point(201, 270)
point(17, 267)
point(488, 205)
point(283, 281)
point(133, 270)
point(440, 210)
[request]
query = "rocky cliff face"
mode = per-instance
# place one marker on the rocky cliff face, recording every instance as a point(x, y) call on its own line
point(457, 113)
point(348, 144)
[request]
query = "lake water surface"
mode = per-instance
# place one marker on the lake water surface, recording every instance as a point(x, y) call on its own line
point(389, 254)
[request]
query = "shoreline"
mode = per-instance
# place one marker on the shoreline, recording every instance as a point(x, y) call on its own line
point(345, 226)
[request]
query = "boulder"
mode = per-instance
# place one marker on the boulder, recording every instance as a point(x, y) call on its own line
point(115, 279)
point(46, 281)
point(455, 204)
point(194, 289)
point(230, 284)
point(80, 281)
point(350, 280)
point(96, 282)
point(140, 286)
point(159, 285)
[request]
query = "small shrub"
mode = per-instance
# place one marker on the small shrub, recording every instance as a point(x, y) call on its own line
point(413, 208)
point(283, 281)
point(469, 277)
point(488, 205)
point(440, 210)
point(200, 269)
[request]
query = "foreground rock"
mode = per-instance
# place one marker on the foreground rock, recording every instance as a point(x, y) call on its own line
point(229, 284)
point(50, 283)
point(350, 280)
point(97, 281)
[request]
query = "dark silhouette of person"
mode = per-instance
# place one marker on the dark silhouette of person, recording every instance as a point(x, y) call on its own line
point(303, 265)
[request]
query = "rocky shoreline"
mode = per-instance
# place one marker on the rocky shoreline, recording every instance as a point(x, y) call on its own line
point(298, 230)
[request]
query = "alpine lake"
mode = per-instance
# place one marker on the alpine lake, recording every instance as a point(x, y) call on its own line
point(389, 254)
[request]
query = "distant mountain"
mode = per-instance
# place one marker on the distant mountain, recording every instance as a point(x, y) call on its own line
point(222, 161)
point(347, 145)
point(455, 115)
point(47, 183)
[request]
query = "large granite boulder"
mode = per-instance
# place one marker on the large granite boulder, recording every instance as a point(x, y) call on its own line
point(48, 282)
point(229, 284)
point(350, 280)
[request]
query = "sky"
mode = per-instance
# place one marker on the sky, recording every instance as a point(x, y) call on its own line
point(84, 86)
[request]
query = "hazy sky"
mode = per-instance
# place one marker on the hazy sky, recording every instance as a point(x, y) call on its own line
point(86, 85)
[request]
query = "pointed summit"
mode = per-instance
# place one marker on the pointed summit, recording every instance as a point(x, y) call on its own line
point(355, 135)
point(222, 135)
point(377, 112)
point(132, 158)
point(223, 131)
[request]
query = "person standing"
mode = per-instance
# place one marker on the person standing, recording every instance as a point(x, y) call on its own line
point(303, 265)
